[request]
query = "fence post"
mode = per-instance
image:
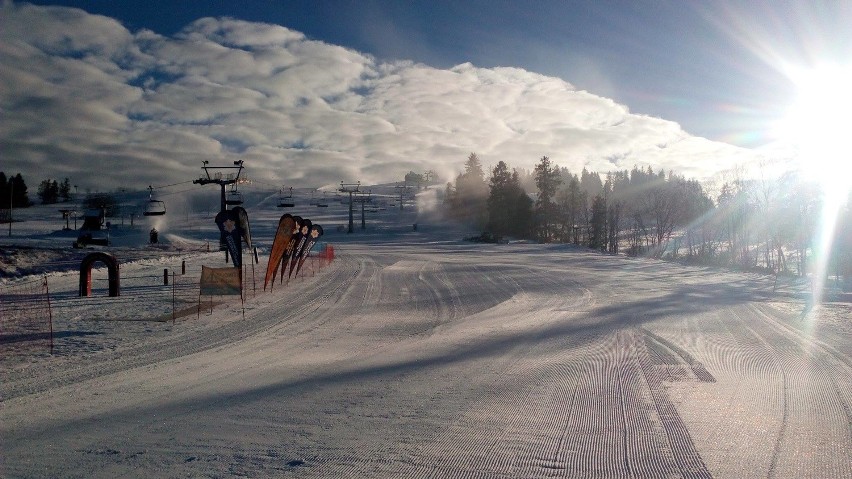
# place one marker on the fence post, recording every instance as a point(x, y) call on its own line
point(49, 312)
point(174, 285)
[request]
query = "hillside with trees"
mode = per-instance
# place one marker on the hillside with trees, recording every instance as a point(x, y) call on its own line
point(752, 224)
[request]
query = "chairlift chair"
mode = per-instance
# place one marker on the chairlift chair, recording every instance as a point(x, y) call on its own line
point(323, 203)
point(154, 207)
point(234, 198)
point(286, 201)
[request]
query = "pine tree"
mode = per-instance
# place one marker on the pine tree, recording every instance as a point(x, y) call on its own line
point(4, 191)
point(19, 192)
point(506, 207)
point(471, 193)
point(547, 180)
point(521, 223)
point(65, 190)
point(48, 192)
point(499, 199)
point(597, 239)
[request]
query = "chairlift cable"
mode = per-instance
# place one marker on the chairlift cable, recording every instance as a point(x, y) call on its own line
point(167, 186)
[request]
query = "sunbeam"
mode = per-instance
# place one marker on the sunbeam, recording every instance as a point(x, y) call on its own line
point(816, 123)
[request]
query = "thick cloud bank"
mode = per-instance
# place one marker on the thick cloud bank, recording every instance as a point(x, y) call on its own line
point(85, 98)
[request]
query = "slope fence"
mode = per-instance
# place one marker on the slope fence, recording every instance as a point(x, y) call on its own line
point(26, 318)
point(186, 295)
point(26, 315)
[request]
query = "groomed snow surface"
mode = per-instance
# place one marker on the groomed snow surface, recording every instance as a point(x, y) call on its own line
point(416, 354)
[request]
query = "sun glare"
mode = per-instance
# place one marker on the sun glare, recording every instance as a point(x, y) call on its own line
point(817, 123)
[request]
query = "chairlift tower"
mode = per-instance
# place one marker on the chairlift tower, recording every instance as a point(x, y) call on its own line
point(219, 179)
point(403, 190)
point(222, 181)
point(350, 188)
point(364, 198)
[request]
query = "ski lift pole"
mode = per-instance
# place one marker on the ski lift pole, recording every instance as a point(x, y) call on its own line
point(222, 182)
point(350, 212)
point(350, 188)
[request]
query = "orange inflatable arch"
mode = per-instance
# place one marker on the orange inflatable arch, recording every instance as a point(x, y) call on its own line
point(86, 273)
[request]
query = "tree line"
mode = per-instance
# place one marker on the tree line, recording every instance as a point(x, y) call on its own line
point(15, 189)
point(768, 225)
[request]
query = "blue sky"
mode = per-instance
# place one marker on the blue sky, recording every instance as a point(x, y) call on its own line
point(713, 70)
point(682, 61)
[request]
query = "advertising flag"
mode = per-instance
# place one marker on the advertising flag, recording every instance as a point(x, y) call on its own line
point(231, 235)
point(286, 225)
point(313, 237)
point(243, 222)
point(304, 234)
point(294, 240)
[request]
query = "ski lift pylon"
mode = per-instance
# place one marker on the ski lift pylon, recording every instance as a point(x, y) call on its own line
point(154, 207)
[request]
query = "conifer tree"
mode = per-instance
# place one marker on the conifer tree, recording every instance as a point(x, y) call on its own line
point(20, 198)
point(506, 206)
point(4, 191)
point(547, 180)
point(597, 238)
point(65, 190)
point(468, 202)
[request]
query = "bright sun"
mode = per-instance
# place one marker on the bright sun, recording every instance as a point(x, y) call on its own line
point(819, 124)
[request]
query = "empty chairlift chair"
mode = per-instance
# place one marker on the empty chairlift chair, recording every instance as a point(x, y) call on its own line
point(286, 201)
point(234, 198)
point(154, 207)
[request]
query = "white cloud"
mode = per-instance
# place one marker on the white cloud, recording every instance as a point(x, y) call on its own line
point(84, 97)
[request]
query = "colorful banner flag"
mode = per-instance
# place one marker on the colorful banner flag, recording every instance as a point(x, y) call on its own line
point(294, 240)
point(286, 227)
point(301, 239)
point(313, 237)
point(243, 222)
point(231, 235)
